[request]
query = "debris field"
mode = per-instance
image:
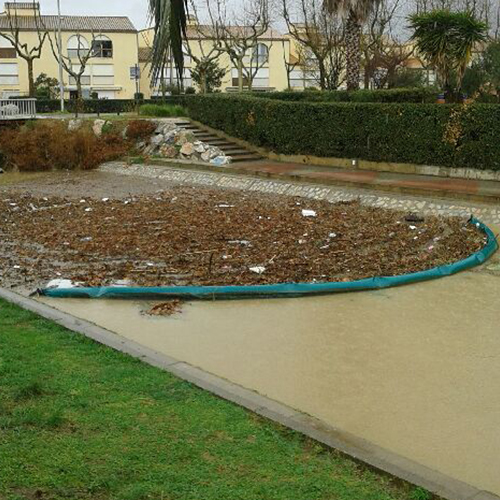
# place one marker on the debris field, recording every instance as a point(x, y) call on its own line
point(207, 236)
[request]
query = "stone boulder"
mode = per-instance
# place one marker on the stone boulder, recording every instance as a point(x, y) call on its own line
point(168, 151)
point(98, 126)
point(187, 149)
point(74, 124)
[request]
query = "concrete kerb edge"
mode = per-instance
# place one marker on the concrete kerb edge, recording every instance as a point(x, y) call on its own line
point(375, 456)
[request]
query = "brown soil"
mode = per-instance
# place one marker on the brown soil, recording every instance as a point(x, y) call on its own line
point(208, 236)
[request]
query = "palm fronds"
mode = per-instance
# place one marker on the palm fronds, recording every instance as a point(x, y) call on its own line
point(358, 9)
point(446, 39)
point(170, 21)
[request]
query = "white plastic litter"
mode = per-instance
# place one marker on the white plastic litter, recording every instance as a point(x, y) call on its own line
point(240, 242)
point(257, 269)
point(309, 213)
point(60, 283)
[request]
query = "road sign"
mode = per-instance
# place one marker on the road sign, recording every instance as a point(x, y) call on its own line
point(135, 72)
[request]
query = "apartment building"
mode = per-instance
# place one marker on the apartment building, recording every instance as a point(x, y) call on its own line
point(112, 41)
point(265, 61)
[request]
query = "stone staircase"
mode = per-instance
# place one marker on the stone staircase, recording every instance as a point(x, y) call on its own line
point(237, 152)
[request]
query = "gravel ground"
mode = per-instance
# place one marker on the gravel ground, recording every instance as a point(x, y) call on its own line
point(98, 229)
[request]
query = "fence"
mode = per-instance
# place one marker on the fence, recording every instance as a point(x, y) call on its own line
point(17, 109)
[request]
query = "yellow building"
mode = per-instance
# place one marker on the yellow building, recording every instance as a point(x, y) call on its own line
point(112, 40)
point(265, 62)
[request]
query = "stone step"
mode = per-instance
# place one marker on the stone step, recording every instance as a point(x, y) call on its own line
point(248, 157)
point(231, 147)
point(220, 145)
point(238, 152)
point(207, 137)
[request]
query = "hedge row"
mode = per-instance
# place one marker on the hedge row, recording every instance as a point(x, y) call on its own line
point(428, 134)
point(102, 105)
point(417, 95)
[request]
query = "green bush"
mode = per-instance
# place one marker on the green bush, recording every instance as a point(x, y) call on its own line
point(162, 110)
point(103, 105)
point(415, 95)
point(429, 134)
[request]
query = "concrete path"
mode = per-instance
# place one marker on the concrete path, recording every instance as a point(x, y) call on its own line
point(425, 185)
point(226, 179)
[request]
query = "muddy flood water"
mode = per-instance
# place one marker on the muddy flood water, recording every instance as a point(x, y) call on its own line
point(414, 369)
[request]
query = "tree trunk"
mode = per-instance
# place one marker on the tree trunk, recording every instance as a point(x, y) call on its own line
point(322, 74)
point(78, 95)
point(203, 77)
point(31, 78)
point(353, 52)
point(240, 75)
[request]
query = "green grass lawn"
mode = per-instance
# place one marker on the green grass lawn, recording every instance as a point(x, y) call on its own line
point(81, 421)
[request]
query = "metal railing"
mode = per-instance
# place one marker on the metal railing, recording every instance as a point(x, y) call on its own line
point(17, 109)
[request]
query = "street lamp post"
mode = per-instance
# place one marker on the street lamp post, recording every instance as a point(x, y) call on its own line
point(61, 84)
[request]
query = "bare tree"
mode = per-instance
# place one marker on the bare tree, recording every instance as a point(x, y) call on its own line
point(241, 36)
point(209, 43)
point(320, 38)
point(23, 50)
point(383, 51)
point(290, 65)
point(83, 52)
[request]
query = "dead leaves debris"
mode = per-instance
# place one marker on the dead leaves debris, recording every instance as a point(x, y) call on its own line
point(193, 236)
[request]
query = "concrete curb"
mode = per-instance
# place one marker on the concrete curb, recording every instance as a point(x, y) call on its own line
point(383, 187)
point(375, 456)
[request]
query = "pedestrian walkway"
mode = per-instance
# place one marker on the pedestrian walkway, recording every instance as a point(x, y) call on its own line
point(486, 191)
point(245, 178)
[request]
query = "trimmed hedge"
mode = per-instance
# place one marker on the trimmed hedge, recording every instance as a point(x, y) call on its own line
point(384, 132)
point(102, 105)
point(417, 95)
point(162, 110)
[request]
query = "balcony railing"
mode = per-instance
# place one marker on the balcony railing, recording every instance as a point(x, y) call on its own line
point(17, 109)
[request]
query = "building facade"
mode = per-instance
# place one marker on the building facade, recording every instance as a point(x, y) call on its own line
point(111, 40)
point(265, 62)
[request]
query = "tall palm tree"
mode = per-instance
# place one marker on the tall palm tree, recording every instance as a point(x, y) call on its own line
point(356, 12)
point(170, 21)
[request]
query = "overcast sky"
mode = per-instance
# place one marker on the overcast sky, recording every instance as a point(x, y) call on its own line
point(136, 10)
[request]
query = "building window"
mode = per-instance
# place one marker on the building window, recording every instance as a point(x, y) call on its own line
point(303, 78)
point(260, 54)
point(235, 81)
point(84, 79)
point(9, 74)
point(78, 47)
point(166, 81)
point(103, 74)
point(7, 50)
point(102, 46)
